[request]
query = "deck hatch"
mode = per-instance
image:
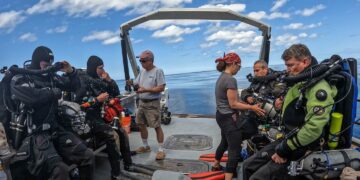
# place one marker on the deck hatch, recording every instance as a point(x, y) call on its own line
point(188, 142)
point(182, 165)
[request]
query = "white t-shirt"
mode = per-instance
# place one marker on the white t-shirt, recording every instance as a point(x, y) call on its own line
point(150, 79)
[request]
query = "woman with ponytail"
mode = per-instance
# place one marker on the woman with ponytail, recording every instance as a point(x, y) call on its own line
point(227, 113)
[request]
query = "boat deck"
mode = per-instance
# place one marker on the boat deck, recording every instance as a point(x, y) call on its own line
point(185, 161)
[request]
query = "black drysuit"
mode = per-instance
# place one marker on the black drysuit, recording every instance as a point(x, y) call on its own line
point(49, 149)
point(90, 88)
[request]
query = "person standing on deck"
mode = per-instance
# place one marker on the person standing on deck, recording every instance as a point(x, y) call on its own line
point(149, 85)
point(227, 115)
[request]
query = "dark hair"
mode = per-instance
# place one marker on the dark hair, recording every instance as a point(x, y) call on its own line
point(262, 63)
point(221, 65)
point(297, 51)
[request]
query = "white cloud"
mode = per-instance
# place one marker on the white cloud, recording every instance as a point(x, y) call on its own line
point(276, 15)
point(233, 7)
point(310, 11)
point(239, 38)
point(278, 4)
point(253, 47)
point(303, 35)
point(314, 35)
point(208, 44)
point(29, 37)
point(9, 20)
point(136, 41)
point(175, 40)
point(107, 37)
point(294, 26)
point(220, 1)
point(60, 29)
point(232, 37)
point(111, 40)
point(173, 33)
point(302, 26)
point(157, 24)
point(286, 39)
point(262, 15)
point(257, 15)
point(95, 8)
point(289, 39)
point(244, 26)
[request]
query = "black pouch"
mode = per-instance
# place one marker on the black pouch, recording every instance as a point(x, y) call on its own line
point(248, 126)
point(42, 151)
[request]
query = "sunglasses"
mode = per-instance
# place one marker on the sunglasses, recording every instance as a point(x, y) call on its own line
point(143, 60)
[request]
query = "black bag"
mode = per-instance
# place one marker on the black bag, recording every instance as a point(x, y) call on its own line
point(248, 126)
point(42, 154)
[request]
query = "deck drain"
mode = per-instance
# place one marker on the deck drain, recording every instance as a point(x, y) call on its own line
point(188, 142)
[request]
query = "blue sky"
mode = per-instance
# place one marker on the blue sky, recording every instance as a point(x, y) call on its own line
point(77, 29)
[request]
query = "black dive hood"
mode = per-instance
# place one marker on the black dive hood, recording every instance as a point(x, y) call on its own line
point(325, 67)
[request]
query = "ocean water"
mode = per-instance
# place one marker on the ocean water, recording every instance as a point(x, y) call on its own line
point(194, 93)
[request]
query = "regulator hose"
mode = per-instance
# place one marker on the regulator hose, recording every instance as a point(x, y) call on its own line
point(269, 77)
point(14, 69)
point(314, 71)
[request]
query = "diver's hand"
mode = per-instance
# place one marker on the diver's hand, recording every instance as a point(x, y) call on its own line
point(250, 100)
point(57, 93)
point(278, 103)
point(106, 76)
point(256, 108)
point(277, 159)
point(67, 68)
point(102, 97)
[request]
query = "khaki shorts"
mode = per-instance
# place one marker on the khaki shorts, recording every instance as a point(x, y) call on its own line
point(148, 113)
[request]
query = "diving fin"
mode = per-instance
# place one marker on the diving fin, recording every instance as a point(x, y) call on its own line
point(212, 175)
point(211, 158)
point(211, 155)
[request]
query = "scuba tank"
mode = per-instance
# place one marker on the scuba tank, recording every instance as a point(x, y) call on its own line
point(17, 126)
point(335, 127)
point(327, 164)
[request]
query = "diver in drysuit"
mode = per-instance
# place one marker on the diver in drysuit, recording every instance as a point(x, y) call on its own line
point(264, 89)
point(268, 88)
point(96, 88)
point(47, 148)
point(310, 115)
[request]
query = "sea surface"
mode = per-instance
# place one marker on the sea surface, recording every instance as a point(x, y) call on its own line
point(194, 93)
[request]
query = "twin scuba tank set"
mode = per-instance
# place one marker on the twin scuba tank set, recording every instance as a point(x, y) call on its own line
point(20, 123)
